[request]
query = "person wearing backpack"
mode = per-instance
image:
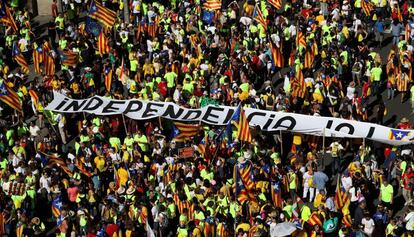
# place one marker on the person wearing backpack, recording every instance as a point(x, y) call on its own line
point(336, 149)
point(268, 99)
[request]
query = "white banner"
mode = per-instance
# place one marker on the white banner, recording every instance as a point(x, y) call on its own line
point(221, 115)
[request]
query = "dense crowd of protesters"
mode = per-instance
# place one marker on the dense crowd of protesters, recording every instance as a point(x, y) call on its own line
point(88, 175)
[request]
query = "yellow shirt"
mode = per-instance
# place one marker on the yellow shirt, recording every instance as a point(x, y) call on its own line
point(99, 163)
point(123, 176)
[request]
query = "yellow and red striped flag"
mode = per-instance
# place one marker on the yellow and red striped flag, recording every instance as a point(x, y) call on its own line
point(102, 14)
point(18, 56)
point(400, 17)
point(34, 97)
point(243, 133)
point(68, 58)
point(82, 168)
point(37, 59)
point(300, 39)
point(184, 131)
point(277, 56)
point(276, 3)
point(103, 46)
point(367, 7)
point(9, 96)
point(49, 63)
point(108, 80)
point(212, 5)
point(407, 32)
point(315, 219)
point(6, 18)
point(258, 16)
point(341, 198)
point(309, 59)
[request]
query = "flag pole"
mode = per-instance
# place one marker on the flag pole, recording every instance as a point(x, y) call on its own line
point(281, 143)
point(123, 120)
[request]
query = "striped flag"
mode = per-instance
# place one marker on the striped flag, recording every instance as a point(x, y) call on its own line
point(19, 229)
point(54, 159)
point(49, 63)
point(184, 131)
point(102, 14)
point(153, 27)
point(277, 194)
point(9, 96)
point(212, 5)
point(243, 133)
point(400, 17)
point(341, 198)
point(68, 58)
point(246, 175)
point(79, 164)
point(37, 59)
point(367, 7)
point(6, 18)
point(299, 85)
point(300, 39)
point(276, 3)
point(103, 46)
point(57, 206)
point(35, 98)
point(277, 56)
point(258, 16)
point(309, 59)
point(296, 207)
point(108, 80)
point(315, 219)
point(241, 193)
point(347, 221)
point(201, 147)
point(18, 56)
point(123, 70)
point(407, 32)
point(291, 59)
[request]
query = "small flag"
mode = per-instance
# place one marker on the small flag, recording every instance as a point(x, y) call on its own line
point(18, 56)
point(258, 16)
point(6, 17)
point(277, 194)
point(185, 131)
point(81, 166)
point(108, 80)
point(309, 59)
point(367, 7)
point(68, 58)
point(399, 135)
point(212, 5)
point(102, 14)
point(57, 206)
point(54, 159)
point(277, 56)
point(37, 59)
point(35, 98)
point(300, 39)
point(9, 96)
point(341, 198)
point(315, 219)
point(276, 3)
point(296, 207)
point(103, 46)
point(243, 133)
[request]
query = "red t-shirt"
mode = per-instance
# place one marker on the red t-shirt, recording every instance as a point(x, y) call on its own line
point(72, 194)
point(406, 179)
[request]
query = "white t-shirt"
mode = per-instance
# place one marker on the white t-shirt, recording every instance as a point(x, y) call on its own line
point(350, 92)
point(369, 225)
point(34, 130)
point(306, 178)
point(410, 221)
point(347, 183)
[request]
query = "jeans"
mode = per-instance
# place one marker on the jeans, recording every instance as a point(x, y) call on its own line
point(395, 39)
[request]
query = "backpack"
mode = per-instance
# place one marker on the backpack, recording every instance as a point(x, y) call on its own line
point(269, 100)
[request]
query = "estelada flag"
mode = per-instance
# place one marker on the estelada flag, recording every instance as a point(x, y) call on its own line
point(18, 56)
point(309, 58)
point(9, 96)
point(68, 58)
point(103, 46)
point(108, 80)
point(37, 59)
point(6, 18)
point(300, 39)
point(102, 14)
point(258, 16)
point(34, 97)
point(277, 56)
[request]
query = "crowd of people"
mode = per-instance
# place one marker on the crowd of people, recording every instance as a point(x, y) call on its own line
point(89, 175)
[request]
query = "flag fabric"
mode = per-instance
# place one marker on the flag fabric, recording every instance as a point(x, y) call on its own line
point(296, 207)
point(299, 85)
point(347, 221)
point(102, 14)
point(19, 229)
point(399, 135)
point(35, 98)
point(54, 159)
point(18, 56)
point(184, 131)
point(103, 46)
point(2, 222)
point(68, 58)
point(341, 198)
point(49, 63)
point(212, 5)
point(315, 219)
point(300, 39)
point(57, 206)
point(367, 7)
point(153, 27)
point(277, 194)
point(291, 59)
point(37, 59)
point(81, 166)
point(201, 147)
point(92, 27)
point(309, 59)
point(16, 188)
point(108, 80)
point(241, 193)
point(123, 70)
point(9, 96)
point(258, 16)
point(277, 56)
point(399, 15)
point(407, 32)
point(243, 133)
point(6, 17)
point(276, 3)
point(246, 175)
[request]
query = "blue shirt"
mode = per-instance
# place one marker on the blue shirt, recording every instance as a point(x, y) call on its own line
point(319, 180)
point(379, 26)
